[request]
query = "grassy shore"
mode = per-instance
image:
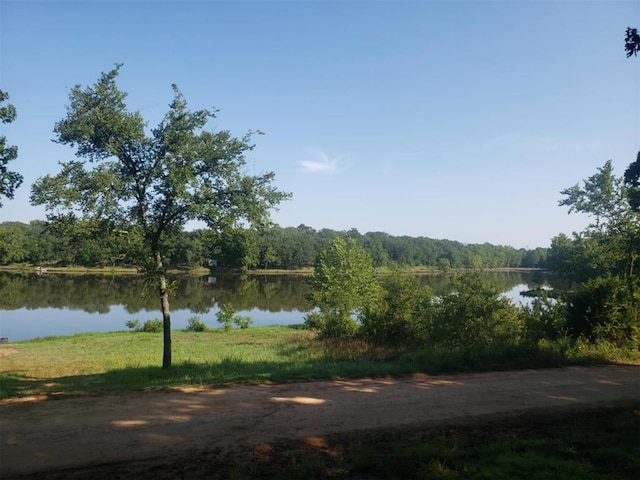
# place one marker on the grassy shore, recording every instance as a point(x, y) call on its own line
point(78, 270)
point(126, 361)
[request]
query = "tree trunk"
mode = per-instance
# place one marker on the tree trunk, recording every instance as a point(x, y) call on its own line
point(166, 314)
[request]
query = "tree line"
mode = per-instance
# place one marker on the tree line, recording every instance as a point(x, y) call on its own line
point(87, 244)
point(599, 301)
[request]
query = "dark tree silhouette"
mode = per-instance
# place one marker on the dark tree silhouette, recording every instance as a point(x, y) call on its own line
point(632, 182)
point(632, 174)
point(632, 42)
point(9, 180)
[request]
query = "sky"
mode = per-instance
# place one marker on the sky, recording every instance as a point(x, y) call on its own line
point(459, 120)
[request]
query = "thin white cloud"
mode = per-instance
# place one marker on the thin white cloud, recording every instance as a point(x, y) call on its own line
point(323, 164)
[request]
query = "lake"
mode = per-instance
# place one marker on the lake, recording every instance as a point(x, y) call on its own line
point(34, 305)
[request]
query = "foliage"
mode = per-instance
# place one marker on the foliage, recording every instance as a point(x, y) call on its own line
point(9, 181)
point(343, 284)
point(632, 182)
point(545, 318)
point(602, 262)
point(150, 326)
point(402, 313)
point(606, 308)
point(475, 314)
point(73, 241)
point(227, 316)
point(632, 42)
point(243, 322)
point(151, 184)
point(133, 324)
point(194, 324)
point(236, 249)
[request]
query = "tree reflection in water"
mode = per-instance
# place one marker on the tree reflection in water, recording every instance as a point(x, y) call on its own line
point(36, 305)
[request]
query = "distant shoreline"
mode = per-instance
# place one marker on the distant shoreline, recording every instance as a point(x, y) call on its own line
point(200, 271)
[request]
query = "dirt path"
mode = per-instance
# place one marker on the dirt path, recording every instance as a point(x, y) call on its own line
point(55, 434)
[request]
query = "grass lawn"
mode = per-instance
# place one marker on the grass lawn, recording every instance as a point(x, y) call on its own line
point(95, 362)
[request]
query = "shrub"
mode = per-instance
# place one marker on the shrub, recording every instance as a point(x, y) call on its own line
point(605, 308)
point(242, 322)
point(227, 316)
point(402, 314)
point(194, 324)
point(152, 326)
point(134, 324)
point(545, 318)
point(475, 314)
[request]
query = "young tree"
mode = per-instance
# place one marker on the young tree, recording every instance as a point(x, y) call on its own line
point(152, 182)
point(343, 283)
point(9, 181)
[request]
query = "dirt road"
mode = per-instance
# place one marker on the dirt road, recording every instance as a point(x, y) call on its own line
point(39, 436)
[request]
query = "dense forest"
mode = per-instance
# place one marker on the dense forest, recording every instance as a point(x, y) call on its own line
point(85, 244)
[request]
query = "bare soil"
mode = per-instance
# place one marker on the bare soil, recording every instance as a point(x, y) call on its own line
point(161, 433)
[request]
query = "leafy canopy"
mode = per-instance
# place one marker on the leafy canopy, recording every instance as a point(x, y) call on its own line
point(157, 180)
point(632, 42)
point(632, 182)
point(9, 181)
point(602, 262)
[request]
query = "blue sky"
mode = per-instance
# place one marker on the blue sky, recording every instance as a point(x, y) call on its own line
point(458, 120)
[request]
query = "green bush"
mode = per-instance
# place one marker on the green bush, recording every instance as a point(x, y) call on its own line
point(402, 314)
point(150, 326)
point(475, 314)
point(227, 316)
point(153, 326)
point(242, 322)
point(342, 285)
point(606, 308)
point(194, 324)
point(334, 324)
point(545, 318)
point(134, 324)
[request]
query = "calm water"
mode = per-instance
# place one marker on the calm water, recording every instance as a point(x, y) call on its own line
point(39, 305)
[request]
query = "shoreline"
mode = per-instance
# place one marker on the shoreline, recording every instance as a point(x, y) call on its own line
point(201, 271)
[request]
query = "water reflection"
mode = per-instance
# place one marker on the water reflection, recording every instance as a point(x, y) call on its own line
point(38, 305)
